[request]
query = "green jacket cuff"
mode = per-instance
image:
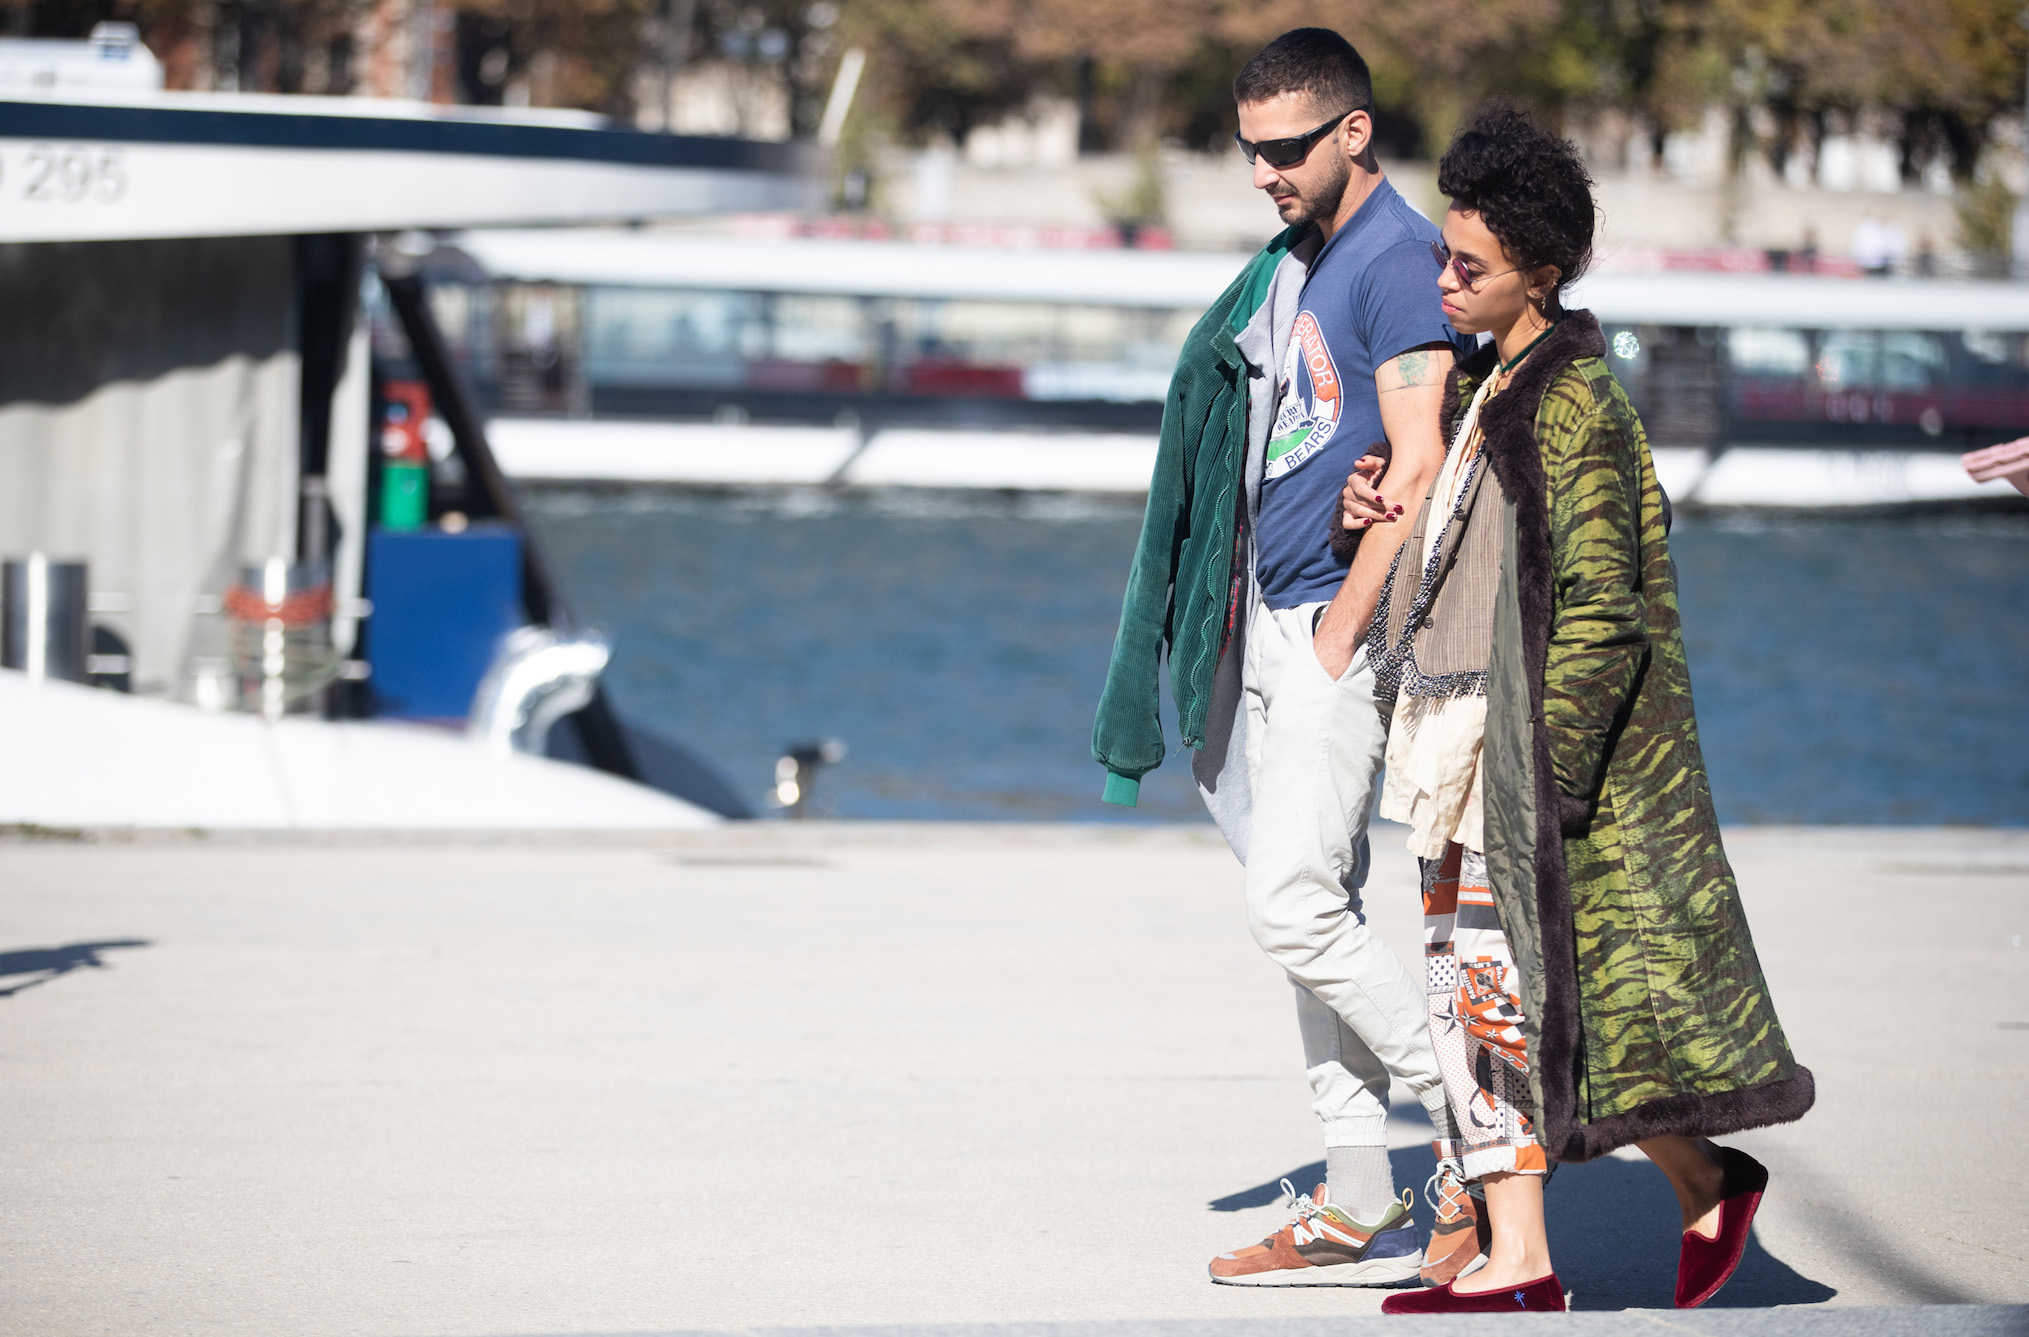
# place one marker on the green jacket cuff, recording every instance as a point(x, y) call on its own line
point(1121, 789)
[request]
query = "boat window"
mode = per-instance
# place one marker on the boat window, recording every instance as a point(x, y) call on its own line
point(648, 324)
point(1993, 347)
point(699, 338)
point(540, 319)
point(1876, 360)
point(1763, 351)
point(1911, 361)
point(818, 329)
point(1024, 332)
point(1849, 359)
point(451, 305)
point(980, 331)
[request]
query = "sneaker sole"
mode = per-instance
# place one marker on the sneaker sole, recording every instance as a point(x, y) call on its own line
point(1472, 1264)
point(1374, 1272)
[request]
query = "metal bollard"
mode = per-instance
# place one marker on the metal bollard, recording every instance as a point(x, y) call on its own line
point(44, 628)
point(279, 625)
point(796, 772)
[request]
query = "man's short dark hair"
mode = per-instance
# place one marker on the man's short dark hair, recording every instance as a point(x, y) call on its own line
point(1315, 62)
point(1530, 187)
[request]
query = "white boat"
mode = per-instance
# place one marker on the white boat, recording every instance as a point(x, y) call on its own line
point(185, 404)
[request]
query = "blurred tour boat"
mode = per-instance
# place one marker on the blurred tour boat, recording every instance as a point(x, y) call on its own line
point(609, 356)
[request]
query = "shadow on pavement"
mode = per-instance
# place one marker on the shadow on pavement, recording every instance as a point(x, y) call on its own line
point(1303, 1178)
point(1614, 1233)
point(1872, 1244)
point(1412, 1166)
point(46, 963)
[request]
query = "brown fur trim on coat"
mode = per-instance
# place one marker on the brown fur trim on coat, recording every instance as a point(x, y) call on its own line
point(1507, 424)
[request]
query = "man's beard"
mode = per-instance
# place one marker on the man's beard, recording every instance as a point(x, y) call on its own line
point(1322, 200)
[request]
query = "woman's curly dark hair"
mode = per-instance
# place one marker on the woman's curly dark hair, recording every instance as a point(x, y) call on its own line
point(1528, 185)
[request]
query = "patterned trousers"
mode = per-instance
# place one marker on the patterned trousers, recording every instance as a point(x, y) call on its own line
point(1476, 1021)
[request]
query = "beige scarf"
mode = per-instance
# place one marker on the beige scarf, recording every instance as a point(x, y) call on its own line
point(1440, 634)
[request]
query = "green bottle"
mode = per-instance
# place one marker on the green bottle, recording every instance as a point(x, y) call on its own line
point(404, 495)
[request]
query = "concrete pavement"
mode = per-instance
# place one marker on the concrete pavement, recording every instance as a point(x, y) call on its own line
point(878, 1075)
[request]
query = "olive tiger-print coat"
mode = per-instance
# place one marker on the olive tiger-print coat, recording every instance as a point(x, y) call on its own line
point(1647, 1009)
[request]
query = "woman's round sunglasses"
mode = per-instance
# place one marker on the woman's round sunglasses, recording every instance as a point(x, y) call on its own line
point(1287, 152)
point(1461, 270)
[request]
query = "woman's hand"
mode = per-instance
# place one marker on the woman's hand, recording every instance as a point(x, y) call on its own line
point(1361, 504)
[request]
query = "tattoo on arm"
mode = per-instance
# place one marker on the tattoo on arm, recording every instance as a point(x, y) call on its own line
point(1413, 369)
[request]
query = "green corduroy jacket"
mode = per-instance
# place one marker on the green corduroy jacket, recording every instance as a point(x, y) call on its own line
point(1181, 591)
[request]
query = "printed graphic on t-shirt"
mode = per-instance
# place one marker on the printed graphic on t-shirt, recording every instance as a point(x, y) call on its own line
point(1310, 398)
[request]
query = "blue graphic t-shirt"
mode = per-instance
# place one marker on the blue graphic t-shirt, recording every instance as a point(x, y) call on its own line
point(1370, 297)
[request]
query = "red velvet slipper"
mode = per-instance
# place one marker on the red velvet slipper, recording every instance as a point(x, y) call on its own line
point(1705, 1265)
point(1543, 1295)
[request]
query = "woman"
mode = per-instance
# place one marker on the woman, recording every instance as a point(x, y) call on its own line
point(1591, 978)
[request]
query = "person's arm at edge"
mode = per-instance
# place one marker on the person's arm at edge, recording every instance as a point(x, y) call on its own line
point(1411, 390)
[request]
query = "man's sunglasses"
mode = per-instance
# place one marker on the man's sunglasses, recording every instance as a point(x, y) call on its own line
point(1467, 279)
point(1287, 152)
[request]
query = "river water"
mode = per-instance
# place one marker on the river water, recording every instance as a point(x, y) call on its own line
point(1846, 670)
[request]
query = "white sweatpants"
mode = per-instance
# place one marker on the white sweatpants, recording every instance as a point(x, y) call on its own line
point(1313, 748)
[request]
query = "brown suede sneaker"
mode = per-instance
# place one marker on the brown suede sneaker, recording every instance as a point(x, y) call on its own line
point(1324, 1246)
point(1460, 1233)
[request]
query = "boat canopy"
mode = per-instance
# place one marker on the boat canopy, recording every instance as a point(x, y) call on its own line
point(1189, 280)
point(1708, 300)
point(104, 165)
point(608, 258)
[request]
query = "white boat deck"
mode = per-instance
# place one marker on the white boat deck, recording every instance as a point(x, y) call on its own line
point(84, 757)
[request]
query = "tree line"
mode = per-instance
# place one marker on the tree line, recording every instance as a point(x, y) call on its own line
point(1935, 76)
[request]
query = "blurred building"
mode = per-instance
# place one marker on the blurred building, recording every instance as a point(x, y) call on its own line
point(1845, 209)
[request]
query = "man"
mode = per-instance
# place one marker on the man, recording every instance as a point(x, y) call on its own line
point(1331, 341)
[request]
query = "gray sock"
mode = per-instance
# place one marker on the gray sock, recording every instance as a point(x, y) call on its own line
point(1445, 1125)
point(1359, 1181)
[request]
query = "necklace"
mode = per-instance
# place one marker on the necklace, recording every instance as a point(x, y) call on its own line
point(1516, 361)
